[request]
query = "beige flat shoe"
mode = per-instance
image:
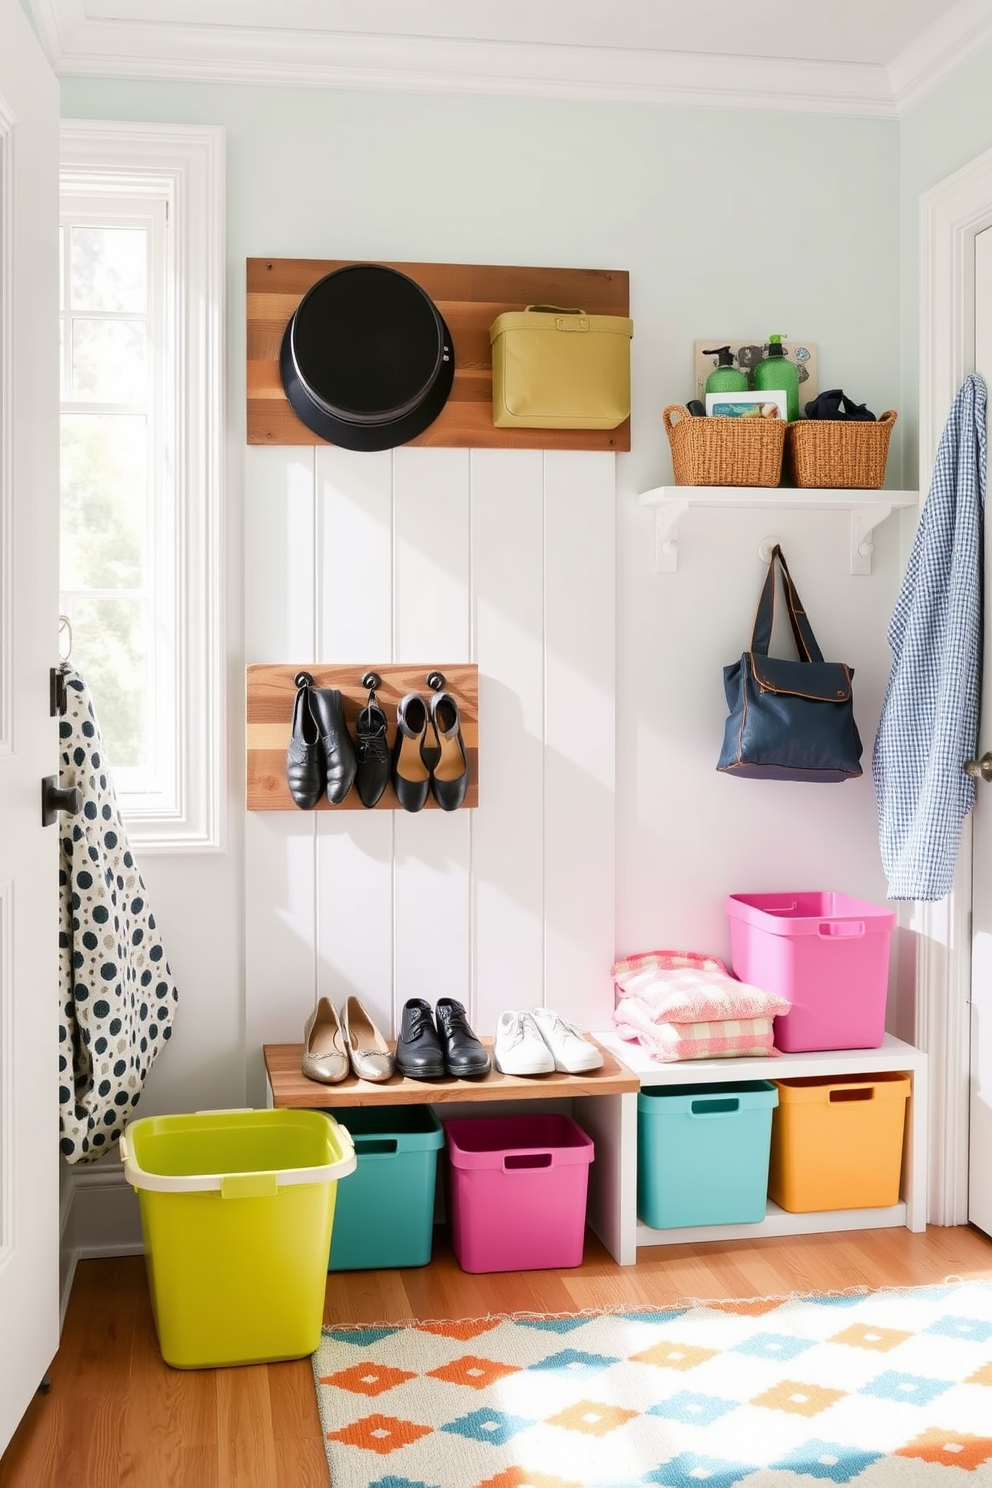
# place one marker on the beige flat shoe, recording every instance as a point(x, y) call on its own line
point(371, 1059)
point(325, 1057)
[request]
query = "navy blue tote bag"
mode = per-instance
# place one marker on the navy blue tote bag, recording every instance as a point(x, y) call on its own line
point(789, 720)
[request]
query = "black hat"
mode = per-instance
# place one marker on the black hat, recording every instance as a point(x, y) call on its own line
point(366, 360)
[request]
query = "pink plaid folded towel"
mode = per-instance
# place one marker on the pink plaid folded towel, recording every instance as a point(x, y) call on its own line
point(683, 1005)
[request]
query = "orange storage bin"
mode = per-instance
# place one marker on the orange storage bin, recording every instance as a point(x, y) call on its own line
point(837, 1143)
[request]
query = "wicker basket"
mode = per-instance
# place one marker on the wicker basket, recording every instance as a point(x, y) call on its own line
point(848, 453)
point(718, 451)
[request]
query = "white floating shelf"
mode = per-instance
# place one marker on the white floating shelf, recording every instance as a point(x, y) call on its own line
point(892, 1054)
point(867, 508)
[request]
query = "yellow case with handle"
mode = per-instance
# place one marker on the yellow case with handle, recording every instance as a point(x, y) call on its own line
point(556, 368)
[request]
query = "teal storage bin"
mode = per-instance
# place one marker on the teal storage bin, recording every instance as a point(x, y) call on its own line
point(702, 1153)
point(388, 1217)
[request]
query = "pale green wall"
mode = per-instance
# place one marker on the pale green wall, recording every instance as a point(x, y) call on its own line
point(945, 132)
point(729, 223)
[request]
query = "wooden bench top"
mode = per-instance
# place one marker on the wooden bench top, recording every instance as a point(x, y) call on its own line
point(291, 1088)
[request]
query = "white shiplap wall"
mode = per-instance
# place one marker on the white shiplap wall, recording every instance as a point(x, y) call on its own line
point(505, 558)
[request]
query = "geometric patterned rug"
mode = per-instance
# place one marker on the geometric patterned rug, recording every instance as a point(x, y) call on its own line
point(885, 1389)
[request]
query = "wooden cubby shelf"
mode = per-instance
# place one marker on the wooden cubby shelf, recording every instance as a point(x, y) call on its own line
point(604, 1104)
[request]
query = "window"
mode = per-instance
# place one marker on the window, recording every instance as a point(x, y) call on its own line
point(117, 481)
point(141, 276)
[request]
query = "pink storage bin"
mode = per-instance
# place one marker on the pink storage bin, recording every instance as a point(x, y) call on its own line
point(518, 1187)
point(827, 953)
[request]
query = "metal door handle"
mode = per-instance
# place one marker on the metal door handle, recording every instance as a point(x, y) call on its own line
point(980, 769)
point(56, 798)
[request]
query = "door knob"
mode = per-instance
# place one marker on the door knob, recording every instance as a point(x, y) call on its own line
point(980, 769)
point(56, 798)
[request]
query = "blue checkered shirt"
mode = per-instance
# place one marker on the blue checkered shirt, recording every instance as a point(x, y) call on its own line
point(929, 723)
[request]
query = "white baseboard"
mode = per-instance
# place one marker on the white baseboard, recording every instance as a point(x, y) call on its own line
point(99, 1217)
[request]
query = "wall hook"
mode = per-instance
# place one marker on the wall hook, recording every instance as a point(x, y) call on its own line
point(303, 679)
point(371, 681)
point(765, 547)
point(435, 681)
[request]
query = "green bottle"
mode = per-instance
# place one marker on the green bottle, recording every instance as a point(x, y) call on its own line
point(775, 374)
point(725, 377)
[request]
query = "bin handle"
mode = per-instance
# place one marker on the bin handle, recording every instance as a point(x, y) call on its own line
point(526, 1160)
point(851, 1093)
point(376, 1146)
point(344, 1137)
point(249, 1185)
point(723, 1105)
point(851, 928)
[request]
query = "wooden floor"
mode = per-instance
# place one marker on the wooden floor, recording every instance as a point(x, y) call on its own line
point(117, 1417)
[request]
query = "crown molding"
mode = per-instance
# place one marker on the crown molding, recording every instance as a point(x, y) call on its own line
point(80, 46)
point(939, 51)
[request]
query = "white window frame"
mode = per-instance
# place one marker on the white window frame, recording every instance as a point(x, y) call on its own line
point(109, 159)
point(149, 789)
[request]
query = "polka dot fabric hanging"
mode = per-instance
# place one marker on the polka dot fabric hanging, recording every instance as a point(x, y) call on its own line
point(118, 996)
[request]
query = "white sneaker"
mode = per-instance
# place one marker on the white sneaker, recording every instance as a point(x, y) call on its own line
point(518, 1048)
point(571, 1052)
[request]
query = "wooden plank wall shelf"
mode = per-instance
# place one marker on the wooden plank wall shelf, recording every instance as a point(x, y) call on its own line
point(469, 297)
point(271, 692)
point(290, 1087)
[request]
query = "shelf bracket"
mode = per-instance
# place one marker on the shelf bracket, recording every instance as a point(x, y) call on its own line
point(867, 509)
point(864, 520)
point(667, 516)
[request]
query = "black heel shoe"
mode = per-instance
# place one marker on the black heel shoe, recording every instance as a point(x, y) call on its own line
point(305, 771)
point(411, 772)
point(449, 775)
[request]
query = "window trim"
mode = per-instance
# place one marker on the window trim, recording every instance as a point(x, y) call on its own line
point(106, 157)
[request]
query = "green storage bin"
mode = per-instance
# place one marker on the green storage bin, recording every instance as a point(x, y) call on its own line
point(237, 1209)
point(385, 1213)
point(702, 1153)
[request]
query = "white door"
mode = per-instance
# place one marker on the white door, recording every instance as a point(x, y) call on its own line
point(980, 1133)
point(29, 1136)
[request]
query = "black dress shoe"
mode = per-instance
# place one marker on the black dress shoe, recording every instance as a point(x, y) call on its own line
point(371, 753)
point(449, 775)
point(411, 772)
point(418, 1049)
point(464, 1056)
point(339, 752)
point(305, 772)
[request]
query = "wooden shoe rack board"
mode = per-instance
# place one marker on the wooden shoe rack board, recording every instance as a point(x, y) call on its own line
point(271, 693)
point(469, 297)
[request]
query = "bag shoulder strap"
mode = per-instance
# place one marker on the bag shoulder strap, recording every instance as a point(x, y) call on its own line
point(765, 614)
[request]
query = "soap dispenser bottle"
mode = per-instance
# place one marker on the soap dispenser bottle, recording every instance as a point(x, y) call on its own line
point(774, 373)
point(725, 377)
